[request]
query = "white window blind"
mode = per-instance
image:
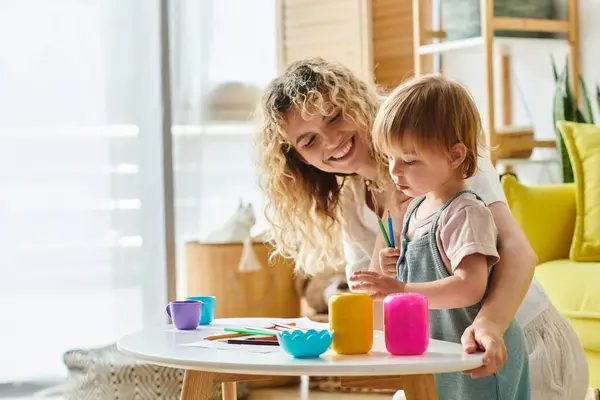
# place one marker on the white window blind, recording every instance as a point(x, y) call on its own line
point(81, 228)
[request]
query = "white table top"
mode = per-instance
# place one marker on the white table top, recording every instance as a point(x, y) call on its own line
point(165, 346)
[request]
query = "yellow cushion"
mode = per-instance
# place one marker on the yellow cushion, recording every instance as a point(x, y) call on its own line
point(573, 289)
point(583, 144)
point(593, 359)
point(546, 214)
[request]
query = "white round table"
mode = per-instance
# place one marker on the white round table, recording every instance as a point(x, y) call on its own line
point(205, 366)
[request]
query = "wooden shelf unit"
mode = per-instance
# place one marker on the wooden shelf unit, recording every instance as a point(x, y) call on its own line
point(507, 139)
point(371, 37)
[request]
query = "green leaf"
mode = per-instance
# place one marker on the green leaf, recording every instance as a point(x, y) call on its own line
point(563, 111)
point(567, 78)
point(576, 114)
point(598, 97)
point(560, 100)
point(560, 86)
point(554, 70)
point(567, 169)
point(585, 98)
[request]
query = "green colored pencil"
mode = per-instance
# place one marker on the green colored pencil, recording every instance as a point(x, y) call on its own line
point(384, 233)
point(251, 331)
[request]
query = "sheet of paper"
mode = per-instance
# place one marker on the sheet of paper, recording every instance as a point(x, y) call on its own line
point(264, 322)
point(214, 344)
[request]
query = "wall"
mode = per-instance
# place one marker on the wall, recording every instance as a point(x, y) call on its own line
point(533, 83)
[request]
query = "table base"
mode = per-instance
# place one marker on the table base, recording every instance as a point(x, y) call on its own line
point(197, 385)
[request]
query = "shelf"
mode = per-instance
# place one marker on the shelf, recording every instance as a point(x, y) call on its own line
point(515, 130)
point(527, 161)
point(517, 142)
point(505, 45)
point(563, 38)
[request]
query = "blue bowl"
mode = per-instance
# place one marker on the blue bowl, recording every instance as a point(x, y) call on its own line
point(309, 344)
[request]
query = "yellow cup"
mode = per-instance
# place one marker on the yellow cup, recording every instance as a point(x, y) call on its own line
point(351, 319)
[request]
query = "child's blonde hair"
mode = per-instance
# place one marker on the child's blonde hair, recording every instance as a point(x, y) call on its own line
point(434, 113)
point(303, 207)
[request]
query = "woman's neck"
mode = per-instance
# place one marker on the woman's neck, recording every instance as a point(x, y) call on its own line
point(368, 171)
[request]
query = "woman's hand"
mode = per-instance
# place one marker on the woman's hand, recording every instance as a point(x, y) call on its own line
point(388, 258)
point(484, 335)
point(377, 284)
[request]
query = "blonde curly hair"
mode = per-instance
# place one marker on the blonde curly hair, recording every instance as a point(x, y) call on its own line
point(303, 207)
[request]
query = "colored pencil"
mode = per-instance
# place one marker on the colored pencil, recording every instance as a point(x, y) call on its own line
point(226, 336)
point(253, 342)
point(383, 232)
point(391, 229)
point(267, 333)
point(287, 327)
point(291, 324)
point(264, 330)
point(251, 331)
point(259, 338)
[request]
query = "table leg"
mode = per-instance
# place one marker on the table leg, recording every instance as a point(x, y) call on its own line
point(229, 390)
point(197, 385)
point(419, 387)
point(416, 387)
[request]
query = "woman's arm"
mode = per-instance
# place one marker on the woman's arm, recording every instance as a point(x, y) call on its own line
point(379, 245)
point(513, 274)
point(509, 284)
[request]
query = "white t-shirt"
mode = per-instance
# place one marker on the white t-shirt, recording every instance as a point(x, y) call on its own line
point(362, 229)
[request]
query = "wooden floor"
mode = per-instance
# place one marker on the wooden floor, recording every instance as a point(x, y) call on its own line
point(296, 393)
point(301, 393)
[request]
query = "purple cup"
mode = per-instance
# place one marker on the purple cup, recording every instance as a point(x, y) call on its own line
point(185, 313)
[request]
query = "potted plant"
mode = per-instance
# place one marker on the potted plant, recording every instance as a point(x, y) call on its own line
point(567, 109)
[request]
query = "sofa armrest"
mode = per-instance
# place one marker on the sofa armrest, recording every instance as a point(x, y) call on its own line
point(546, 214)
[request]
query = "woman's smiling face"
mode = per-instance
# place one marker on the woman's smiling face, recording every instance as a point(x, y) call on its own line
point(330, 143)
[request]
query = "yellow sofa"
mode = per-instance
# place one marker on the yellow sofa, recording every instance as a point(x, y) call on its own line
point(547, 215)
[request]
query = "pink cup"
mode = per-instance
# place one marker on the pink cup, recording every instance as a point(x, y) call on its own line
point(406, 324)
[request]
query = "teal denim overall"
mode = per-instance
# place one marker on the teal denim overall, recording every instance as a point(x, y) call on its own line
point(420, 261)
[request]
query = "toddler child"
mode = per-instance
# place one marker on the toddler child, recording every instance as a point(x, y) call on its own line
point(431, 131)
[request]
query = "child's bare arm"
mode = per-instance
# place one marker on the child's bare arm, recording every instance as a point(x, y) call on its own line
point(465, 288)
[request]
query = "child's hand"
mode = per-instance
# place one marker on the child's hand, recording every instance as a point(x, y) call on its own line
point(388, 257)
point(377, 284)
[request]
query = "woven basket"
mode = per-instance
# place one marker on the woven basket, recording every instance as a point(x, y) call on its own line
point(213, 270)
point(462, 18)
point(106, 374)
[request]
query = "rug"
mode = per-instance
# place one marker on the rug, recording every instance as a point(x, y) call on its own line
point(106, 374)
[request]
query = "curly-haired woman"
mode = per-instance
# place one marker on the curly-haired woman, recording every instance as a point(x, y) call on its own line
point(326, 186)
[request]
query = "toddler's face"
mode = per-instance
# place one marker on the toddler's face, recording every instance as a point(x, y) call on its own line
point(417, 173)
